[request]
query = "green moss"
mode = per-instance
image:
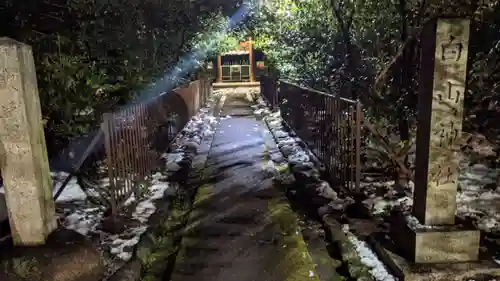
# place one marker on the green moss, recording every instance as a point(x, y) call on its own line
point(155, 260)
point(283, 168)
point(295, 261)
point(349, 254)
point(203, 193)
point(26, 268)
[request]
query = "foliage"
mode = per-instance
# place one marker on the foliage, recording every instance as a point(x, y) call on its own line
point(93, 55)
point(370, 50)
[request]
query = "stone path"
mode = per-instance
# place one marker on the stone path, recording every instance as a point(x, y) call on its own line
point(241, 227)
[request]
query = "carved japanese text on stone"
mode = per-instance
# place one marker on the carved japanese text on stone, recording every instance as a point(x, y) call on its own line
point(448, 97)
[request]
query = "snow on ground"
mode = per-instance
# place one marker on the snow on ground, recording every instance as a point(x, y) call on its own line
point(87, 219)
point(172, 160)
point(71, 192)
point(84, 220)
point(382, 198)
point(478, 197)
point(369, 258)
point(121, 245)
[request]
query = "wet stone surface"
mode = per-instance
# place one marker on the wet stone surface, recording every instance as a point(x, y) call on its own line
point(241, 226)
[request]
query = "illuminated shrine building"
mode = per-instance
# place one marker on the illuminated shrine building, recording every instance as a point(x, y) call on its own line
point(238, 65)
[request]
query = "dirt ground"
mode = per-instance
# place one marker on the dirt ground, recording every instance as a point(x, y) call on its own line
point(67, 256)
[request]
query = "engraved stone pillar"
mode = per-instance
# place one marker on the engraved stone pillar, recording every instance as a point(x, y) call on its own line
point(439, 247)
point(444, 70)
point(441, 98)
point(25, 170)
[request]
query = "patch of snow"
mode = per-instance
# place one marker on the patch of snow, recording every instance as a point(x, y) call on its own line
point(202, 125)
point(146, 207)
point(172, 160)
point(299, 157)
point(71, 192)
point(84, 221)
point(380, 205)
point(368, 258)
point(477, 197)
point(415, 224)
point(130, 200)
point(122, 248)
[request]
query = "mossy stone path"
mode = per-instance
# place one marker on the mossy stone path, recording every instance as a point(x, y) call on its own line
point(241, 226)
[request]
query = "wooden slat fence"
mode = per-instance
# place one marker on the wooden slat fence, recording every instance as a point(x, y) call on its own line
point(125, 151)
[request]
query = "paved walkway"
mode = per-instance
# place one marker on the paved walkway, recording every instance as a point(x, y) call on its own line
point(241, 227)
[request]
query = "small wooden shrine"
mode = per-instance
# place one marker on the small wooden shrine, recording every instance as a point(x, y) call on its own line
point(236, 66)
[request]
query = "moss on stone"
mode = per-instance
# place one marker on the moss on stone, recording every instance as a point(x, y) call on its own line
point(154, 259)
point(295, 263)
point(26, 267)
point(283, 168)
point(203, 193)
point(349, 254)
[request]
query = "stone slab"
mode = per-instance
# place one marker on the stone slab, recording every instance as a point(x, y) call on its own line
point(446, 246)
point(458, 243)
point(408, 271)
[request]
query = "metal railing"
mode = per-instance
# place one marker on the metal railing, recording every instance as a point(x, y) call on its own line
point(126, 150)
point(268, 90)
point(329, 125)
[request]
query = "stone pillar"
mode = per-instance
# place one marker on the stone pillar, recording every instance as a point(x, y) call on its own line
point(25, 169)
point(444, 70)
point(219, 69)
point(440, 113)
point(251, 60)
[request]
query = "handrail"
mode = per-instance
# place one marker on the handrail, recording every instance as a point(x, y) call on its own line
point(328, 124)
point(317, 91)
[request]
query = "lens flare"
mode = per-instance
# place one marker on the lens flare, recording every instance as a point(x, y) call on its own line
point(164, 85)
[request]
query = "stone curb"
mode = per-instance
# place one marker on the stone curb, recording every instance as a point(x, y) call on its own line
point(317, 198)
point(144, 255)
point(350, 256)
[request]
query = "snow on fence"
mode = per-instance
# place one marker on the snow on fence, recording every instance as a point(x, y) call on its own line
point(329, 125)
point(126, 150)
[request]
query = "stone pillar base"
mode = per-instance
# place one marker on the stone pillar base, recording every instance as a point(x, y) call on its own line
point(441, 244)
point(406, 270)
point(447, 253)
